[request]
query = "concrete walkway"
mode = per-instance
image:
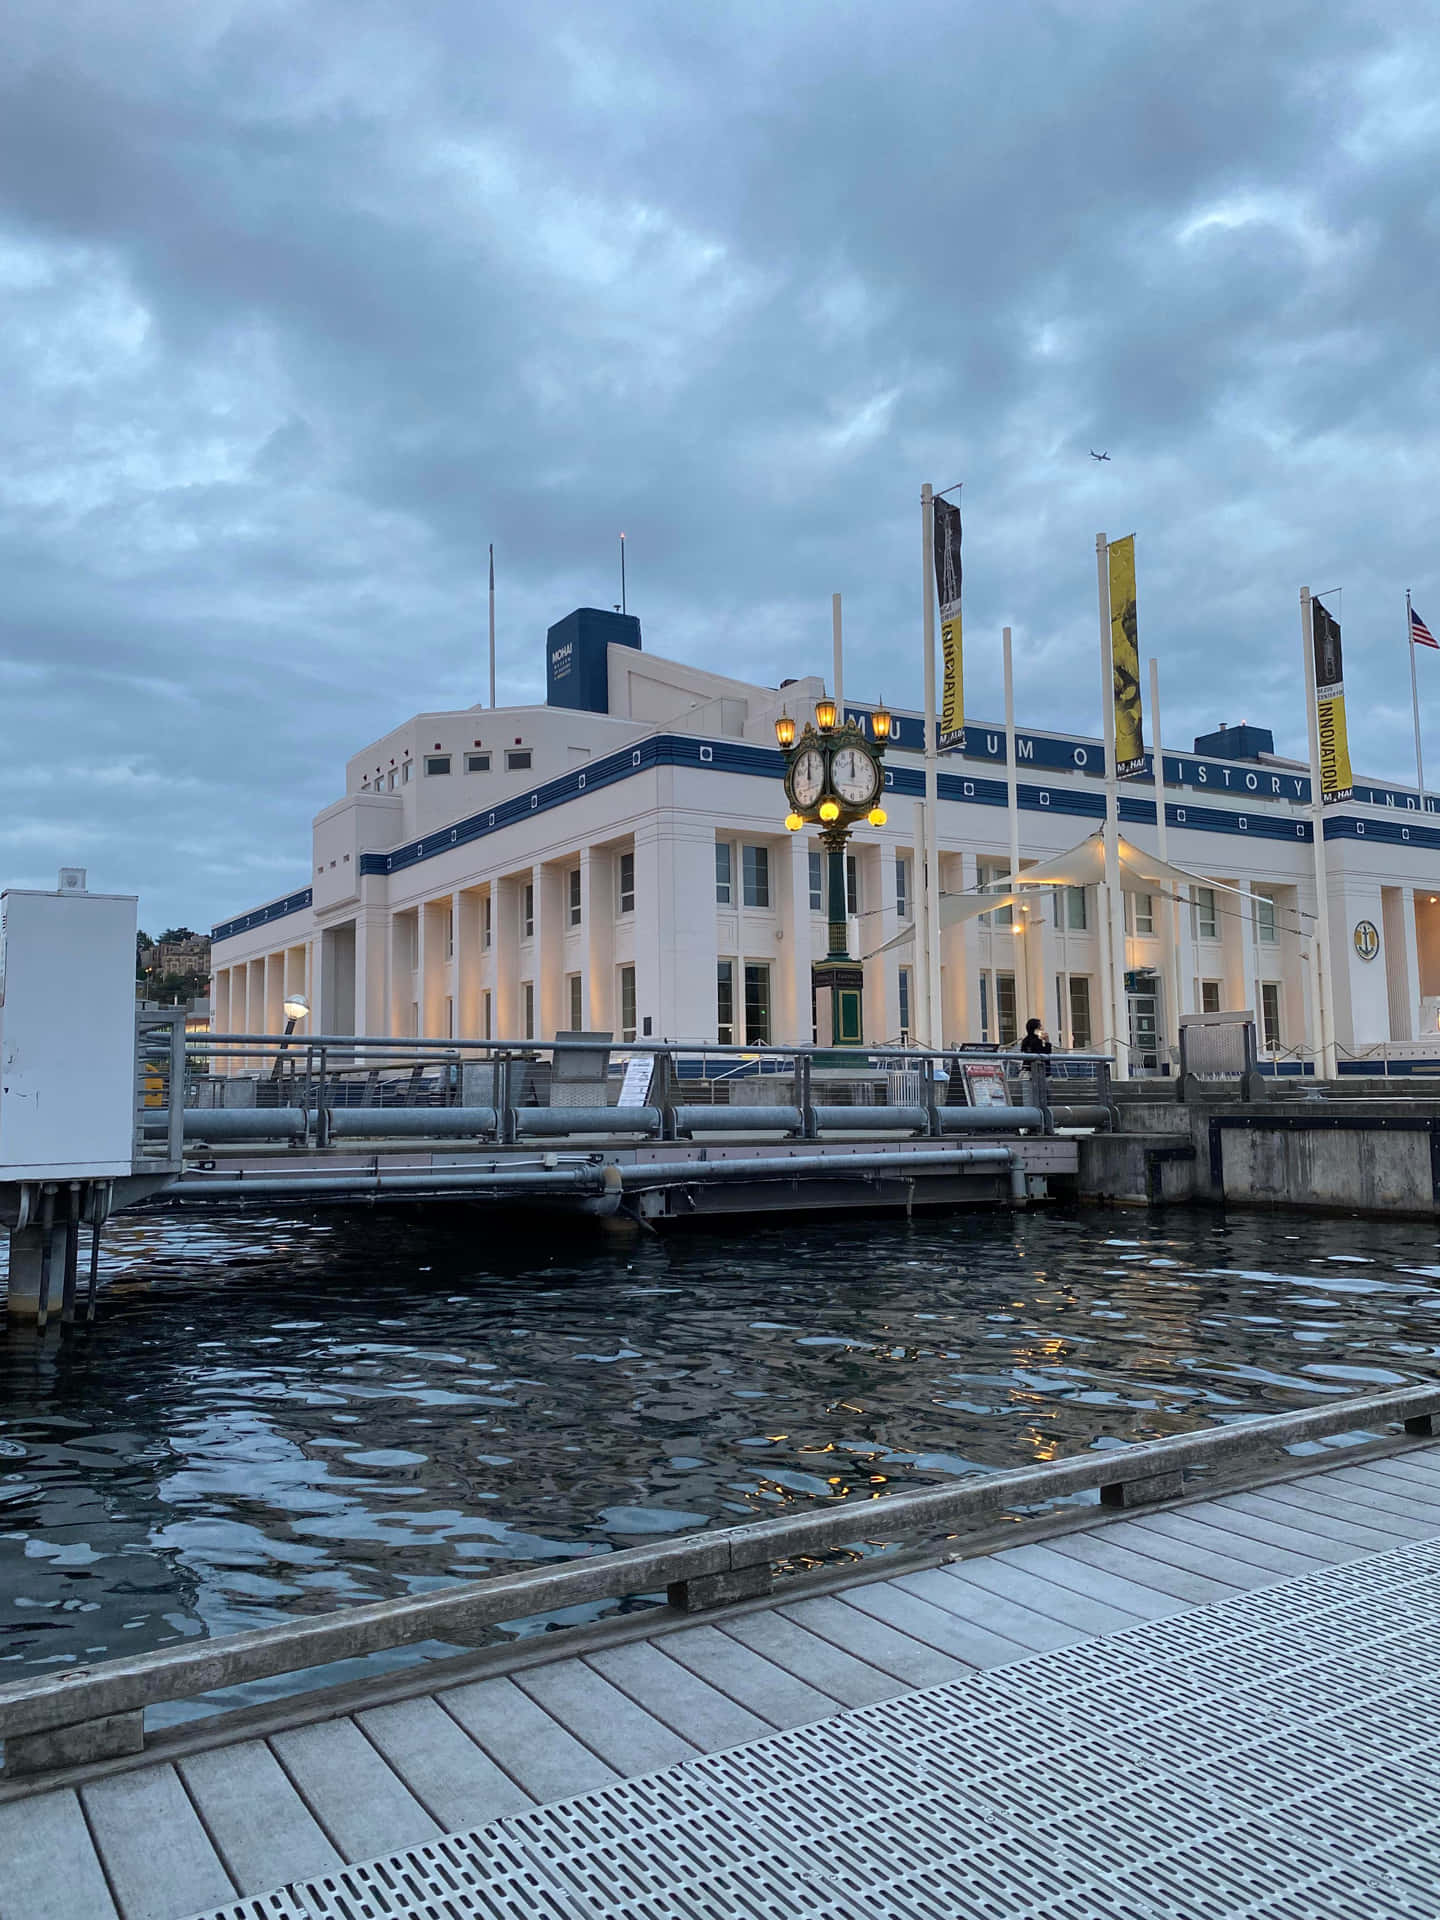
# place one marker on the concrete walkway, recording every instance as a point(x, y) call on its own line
point(1089, 1648)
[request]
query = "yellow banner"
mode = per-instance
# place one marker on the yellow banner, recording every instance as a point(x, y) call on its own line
point(952, 700)
point(1125, 660)
point(1336, 779)
point(949, 575)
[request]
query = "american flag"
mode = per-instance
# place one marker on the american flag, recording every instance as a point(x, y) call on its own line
point(1420, 634)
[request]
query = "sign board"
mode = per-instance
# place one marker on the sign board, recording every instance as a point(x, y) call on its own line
point(635, 1087)
point(985, 1083)
point(1367, 939)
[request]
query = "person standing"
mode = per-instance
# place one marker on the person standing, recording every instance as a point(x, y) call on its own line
point(1036, 1039)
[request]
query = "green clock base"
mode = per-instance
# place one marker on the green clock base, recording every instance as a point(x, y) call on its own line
point(839, 1000)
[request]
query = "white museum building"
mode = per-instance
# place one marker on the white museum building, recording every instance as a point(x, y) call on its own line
point(617, 859)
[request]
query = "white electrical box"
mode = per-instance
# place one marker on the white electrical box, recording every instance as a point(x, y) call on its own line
point(67, 1033)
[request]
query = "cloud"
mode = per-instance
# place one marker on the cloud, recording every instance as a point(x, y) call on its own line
point(307, 303)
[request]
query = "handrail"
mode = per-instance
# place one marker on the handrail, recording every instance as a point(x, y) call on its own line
point(81, 1697)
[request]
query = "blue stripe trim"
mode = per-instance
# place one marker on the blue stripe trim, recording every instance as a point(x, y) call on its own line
point(1391, 833)
point(262, 916)
point(733, 756)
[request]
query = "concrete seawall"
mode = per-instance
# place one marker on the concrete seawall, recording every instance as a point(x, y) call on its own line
point(1314, 1151)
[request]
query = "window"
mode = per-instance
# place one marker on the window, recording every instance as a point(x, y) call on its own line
point(528, 917)
point(1080, 1035)
point(984, 1006)
point(485, 922)
point(572, 884)
point(450, 936)
point(902, 895)
point(724, 876)
point(817, 881)
point(852, 884)
point(477, 763)
point(757, 1005)
point(625, 885)
point(577, 1002)
point(449, 1018)
point(725, 1002)
point(627, 1003)
point(755, 875)
point(405, 773)
point(1076, 919)
point(1144, 913)
point(518, 760)
point(390, 781)
point(487, 1011)
point(1209, 996)
point(437, 763)
point(527, 996)
point(904, 1001)
point(1265, 920)
point(1005, 1019)
point(1270, 1014)
point(1206, 925)
point(992, 879)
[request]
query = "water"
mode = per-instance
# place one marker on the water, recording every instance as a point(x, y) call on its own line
point(282, 1416)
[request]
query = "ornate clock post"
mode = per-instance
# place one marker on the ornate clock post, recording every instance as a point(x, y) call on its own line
point(834, 777)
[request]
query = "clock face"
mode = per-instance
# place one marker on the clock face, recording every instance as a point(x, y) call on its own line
point(807, 778)
point(855, 775)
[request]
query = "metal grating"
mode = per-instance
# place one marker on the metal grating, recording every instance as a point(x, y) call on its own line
point(1271, 1757)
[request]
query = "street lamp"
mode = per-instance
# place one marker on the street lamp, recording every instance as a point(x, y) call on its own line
point(785, 730)
point(296, 1008)
point(834, 779)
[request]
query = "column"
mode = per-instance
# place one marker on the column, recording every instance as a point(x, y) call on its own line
point(880, 922)
point(220, 1012)
point(597, 911)
point(373, 1014)
point(402, 971)
point(550, 1012)
point(675, 931)
point(953, 970)
point(793, 1024)
point(471, 962)
point(507, 894)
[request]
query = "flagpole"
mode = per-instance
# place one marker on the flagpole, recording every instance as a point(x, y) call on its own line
point(492, 626)
point(1321, 972)
point(935, 1018)
point(1114, 897)
point(837, 655)
point(1019, 923)
point(1414, 699)
point(1170, 913)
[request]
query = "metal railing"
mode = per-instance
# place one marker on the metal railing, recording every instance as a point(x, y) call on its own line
point(84, 1714)
point(323, 1087)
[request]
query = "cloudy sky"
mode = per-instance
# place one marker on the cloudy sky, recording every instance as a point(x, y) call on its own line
point(307, 301)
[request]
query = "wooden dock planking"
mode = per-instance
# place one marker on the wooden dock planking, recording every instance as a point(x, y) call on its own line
point(623, 1734)
point(948, 1589)
point(766, 1690)
point(832, 1670)
point(975, 1646)
point(167, 1839)
point(157, 1856)
point(695, 1710)
point(49, 1869)
point(456, 1781)
point(518, 1735)
point(352, 1790)
point(253, 1814)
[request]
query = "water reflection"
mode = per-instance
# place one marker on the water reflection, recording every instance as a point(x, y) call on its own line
point(279, 1417)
